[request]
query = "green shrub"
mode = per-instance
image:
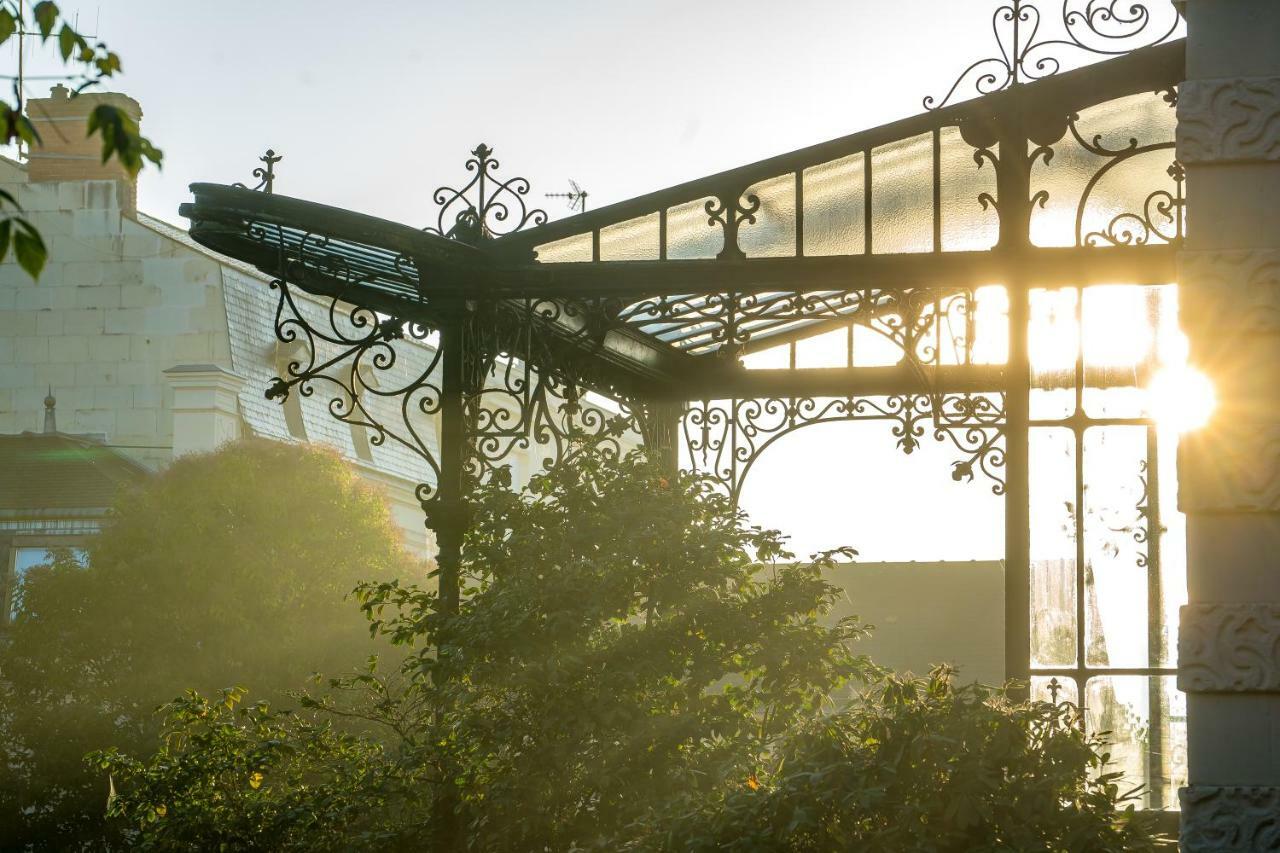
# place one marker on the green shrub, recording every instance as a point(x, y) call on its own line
point(633, 667)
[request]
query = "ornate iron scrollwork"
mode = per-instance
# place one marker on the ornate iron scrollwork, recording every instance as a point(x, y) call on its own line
point(724, 438)
point(373, 380)
point(1102, 27)
point(266, 173)
point(486, 206)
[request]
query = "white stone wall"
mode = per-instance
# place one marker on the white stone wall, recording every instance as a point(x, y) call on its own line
point(116, 305)
point(124, 299)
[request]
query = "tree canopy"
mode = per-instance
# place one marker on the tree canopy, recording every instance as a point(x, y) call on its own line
point(229, 567)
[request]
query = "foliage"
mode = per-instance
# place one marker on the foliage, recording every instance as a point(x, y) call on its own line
point(633, 667)
point(921, 764)
point(230, 565)
point(91, 63)
point(252, 773)
point(603, 656)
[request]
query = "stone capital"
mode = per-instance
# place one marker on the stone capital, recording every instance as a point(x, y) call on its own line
point(1229, 120)
point(1229, 648)
point(1229, 819)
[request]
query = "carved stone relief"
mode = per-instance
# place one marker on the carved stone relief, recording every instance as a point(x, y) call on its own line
point(1230, 291)
point(1233, 465)
point(1230, 820)
point(1229, 120)
point(1229, 648)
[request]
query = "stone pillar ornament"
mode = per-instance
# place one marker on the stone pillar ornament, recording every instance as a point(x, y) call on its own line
point(1229, 471)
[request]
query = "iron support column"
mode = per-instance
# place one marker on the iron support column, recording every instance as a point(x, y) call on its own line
point(450, 514)
point(1017, 511)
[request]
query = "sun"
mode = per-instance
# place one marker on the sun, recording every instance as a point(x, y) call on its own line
point(1181, 398)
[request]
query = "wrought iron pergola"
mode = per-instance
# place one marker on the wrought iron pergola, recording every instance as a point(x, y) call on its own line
point(927, 233)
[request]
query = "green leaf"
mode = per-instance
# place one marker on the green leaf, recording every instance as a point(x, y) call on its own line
point(29, 248)
point(6, 230)
point(46, 16)
point(66, 41)
point(8, 25)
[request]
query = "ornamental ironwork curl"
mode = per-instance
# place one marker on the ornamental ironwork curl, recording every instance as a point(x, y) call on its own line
point(921, 322)
point(368, 364)
point(531, 395)
point(730, 211)
point(486, 206)
point(1098, 27)
point(724, 438)
point(266, 173)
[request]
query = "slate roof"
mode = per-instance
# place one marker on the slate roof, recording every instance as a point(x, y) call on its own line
point(55, 471)
point(251, 308)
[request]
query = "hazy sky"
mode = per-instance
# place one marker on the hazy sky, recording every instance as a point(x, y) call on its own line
point(375, 104)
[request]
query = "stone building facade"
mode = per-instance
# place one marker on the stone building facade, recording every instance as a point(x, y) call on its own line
point(152, 346)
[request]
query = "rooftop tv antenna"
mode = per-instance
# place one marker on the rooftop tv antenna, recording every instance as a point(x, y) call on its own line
point(20, 81)
point(576, 198)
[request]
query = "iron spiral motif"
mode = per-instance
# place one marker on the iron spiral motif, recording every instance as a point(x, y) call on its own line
point(265, 173)
point(1101, 27)
point(486, 206)
point(531, 396)
point(724, 438)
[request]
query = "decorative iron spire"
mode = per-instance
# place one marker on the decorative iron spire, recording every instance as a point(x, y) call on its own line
point(1100, 27)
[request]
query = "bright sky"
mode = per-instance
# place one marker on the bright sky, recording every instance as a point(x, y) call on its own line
point(375, 104)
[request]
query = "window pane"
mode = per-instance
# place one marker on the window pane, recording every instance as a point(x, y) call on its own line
point(830, 349)
point(1146, 717)
point(1053, 341)
point(1116, 546)
point(1053, 547)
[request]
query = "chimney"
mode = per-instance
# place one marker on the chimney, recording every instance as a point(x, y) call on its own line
point(66, 152)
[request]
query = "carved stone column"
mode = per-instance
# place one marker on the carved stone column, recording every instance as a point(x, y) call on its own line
point(1229, 639)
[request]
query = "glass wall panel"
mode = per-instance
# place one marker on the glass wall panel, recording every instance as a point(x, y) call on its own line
point(1145, 718)
point(1116, 539)
point(991, 325)
point(575, 249)
point(966, 225)
point(1053, 344)
point(872, 349)
point(834, 207)
point(902, 196)
point(773, 234)
point(1080, 210)
point(634, 240)
point(690, 233)
point(829, 349)
point(773, 358)
point(1043, 689)
point(1053, 547)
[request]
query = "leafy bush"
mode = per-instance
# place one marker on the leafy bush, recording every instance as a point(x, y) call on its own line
point(920, 764)
point(229, 566)
point(633, 667)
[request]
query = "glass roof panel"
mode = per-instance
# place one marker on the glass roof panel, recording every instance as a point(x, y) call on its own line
point(691, 234)
point(834, 207)
point(638, 239)
point(902, 196)
point(773, 233)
